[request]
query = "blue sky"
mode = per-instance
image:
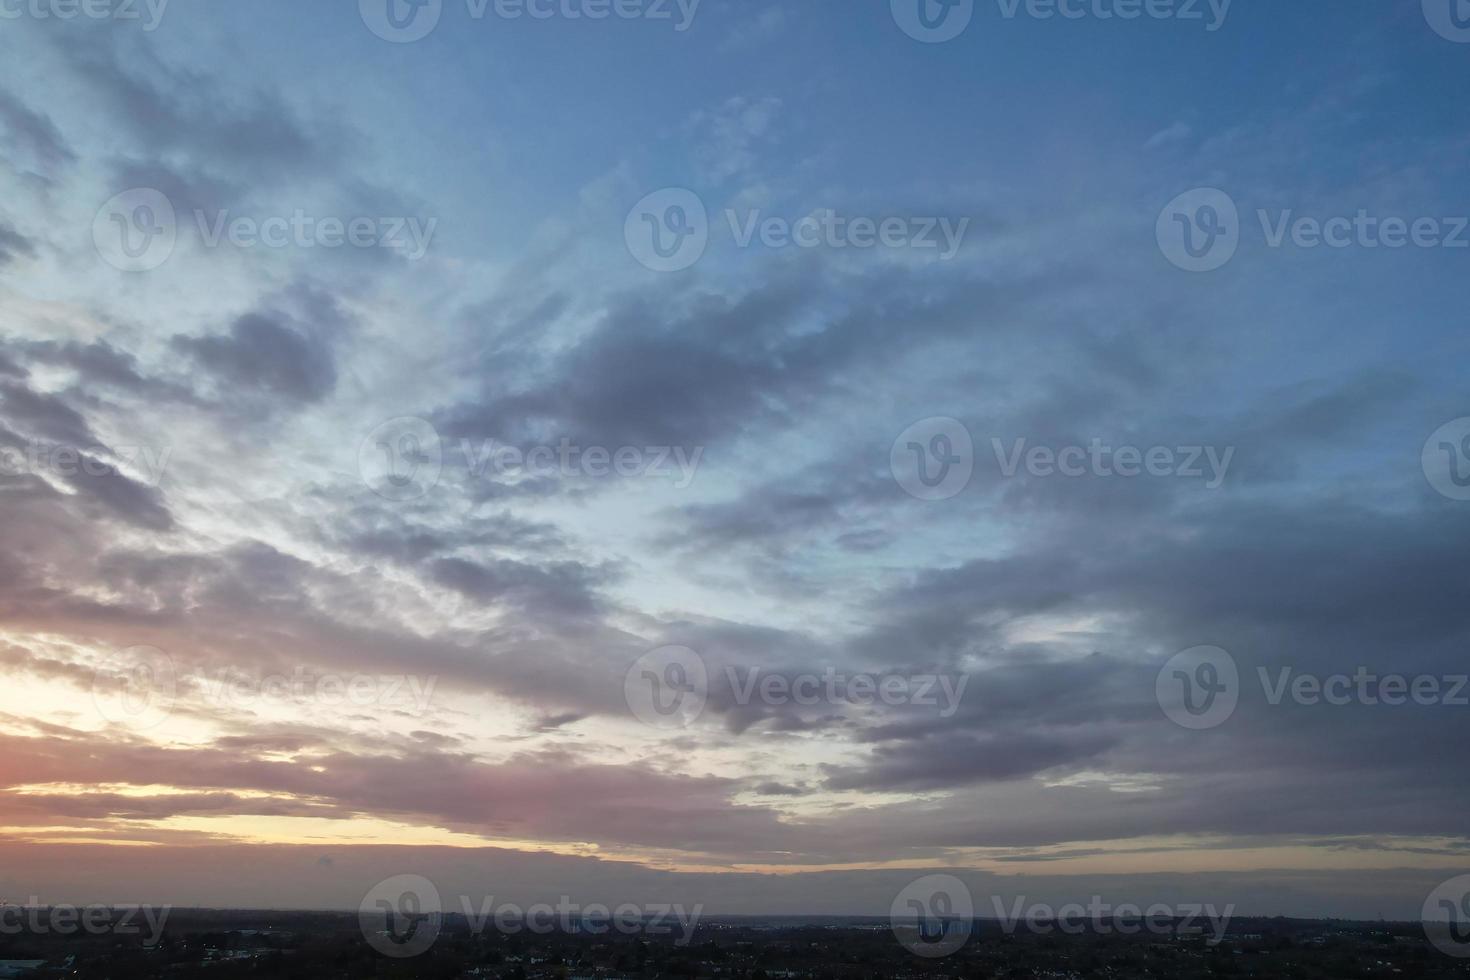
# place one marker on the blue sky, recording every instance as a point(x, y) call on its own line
point(770, 520)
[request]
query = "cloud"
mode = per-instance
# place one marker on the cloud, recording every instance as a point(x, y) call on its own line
point(266, 358)
point(34, 133)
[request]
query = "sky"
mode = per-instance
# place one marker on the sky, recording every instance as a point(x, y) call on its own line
point(759, 452)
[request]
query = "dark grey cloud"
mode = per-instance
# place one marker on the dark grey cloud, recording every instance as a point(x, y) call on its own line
point(267, 357)
point(169, 109)
point(34, 134)
point(562, 588)
point(45, 416)
point(964, 759)
point(14, 245)
point(692, 368)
